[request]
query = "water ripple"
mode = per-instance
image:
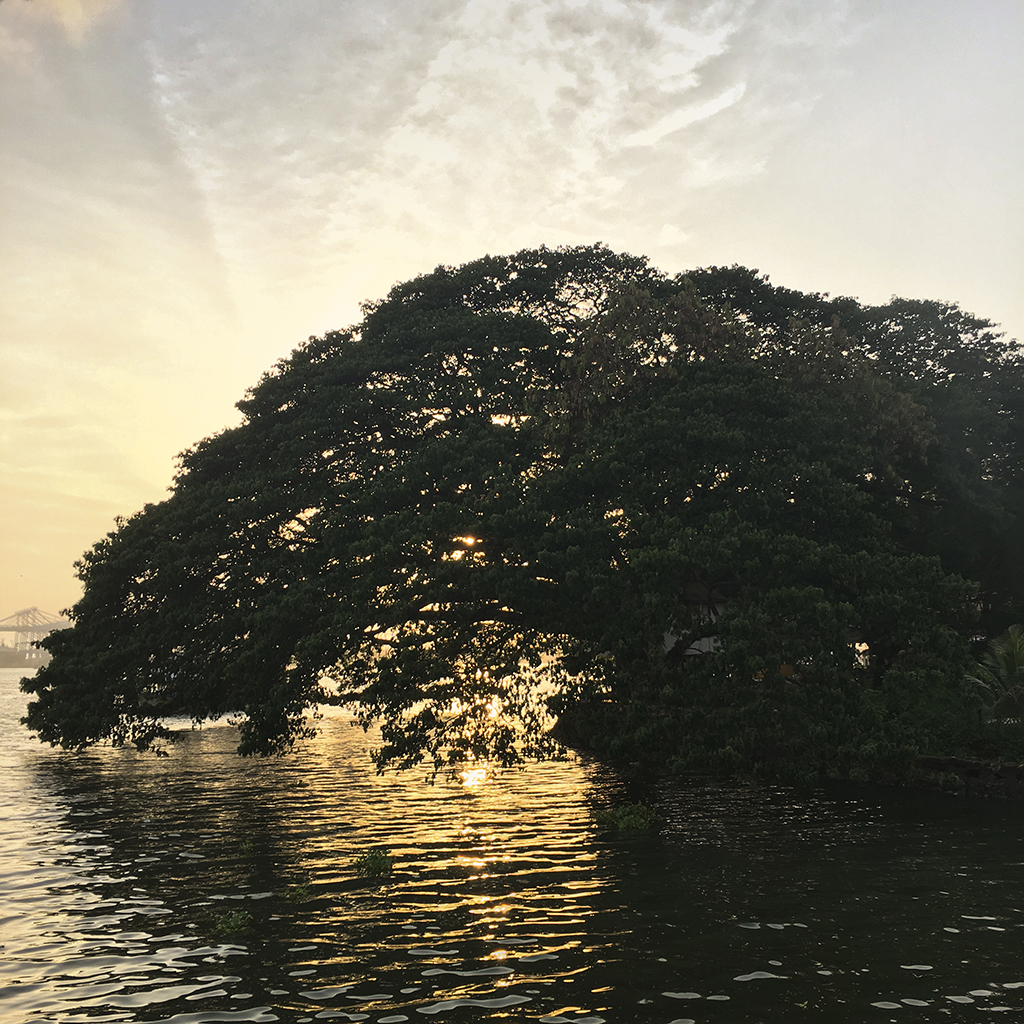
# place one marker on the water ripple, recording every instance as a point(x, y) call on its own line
point(204, 888)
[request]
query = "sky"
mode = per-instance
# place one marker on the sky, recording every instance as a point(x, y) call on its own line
point(190, 188)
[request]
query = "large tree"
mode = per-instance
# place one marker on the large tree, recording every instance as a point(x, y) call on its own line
point(707, 519)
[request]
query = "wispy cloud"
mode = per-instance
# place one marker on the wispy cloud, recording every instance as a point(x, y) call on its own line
point(395, 131)
point(685, 116)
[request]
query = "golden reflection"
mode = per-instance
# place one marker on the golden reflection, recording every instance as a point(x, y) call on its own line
point(473, 778)
point(491, 913)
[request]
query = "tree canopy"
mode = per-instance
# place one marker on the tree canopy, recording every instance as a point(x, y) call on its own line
point(708, 520)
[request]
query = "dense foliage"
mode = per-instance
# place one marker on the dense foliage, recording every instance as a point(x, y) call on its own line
point(711, 521)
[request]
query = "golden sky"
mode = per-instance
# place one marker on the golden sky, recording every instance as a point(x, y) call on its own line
point(189, 188)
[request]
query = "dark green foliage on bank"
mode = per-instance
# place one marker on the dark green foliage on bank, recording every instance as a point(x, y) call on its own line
point(1000, 679)
point(717, 524)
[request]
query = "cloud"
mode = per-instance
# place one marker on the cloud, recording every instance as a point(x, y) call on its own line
point(684, 117)
point(336, 144)
point(670, 235)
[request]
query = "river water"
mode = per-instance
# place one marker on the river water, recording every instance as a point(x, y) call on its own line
point(123, 875)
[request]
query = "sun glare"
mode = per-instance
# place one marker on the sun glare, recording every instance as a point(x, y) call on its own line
point(472, 778)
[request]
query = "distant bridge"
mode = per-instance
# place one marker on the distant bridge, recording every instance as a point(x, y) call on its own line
point(29, 625)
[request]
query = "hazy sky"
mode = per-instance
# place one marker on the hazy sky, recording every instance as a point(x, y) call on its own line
point(189, 188)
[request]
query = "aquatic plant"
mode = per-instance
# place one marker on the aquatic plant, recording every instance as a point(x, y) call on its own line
point(233, 921)
point(626, 818)
point(374, 862)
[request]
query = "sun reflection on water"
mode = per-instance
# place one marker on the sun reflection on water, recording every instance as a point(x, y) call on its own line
point(473, 778)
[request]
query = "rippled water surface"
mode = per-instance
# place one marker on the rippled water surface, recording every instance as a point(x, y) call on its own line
point(124, 878)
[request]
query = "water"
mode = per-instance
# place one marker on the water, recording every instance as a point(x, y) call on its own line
point(119, 874)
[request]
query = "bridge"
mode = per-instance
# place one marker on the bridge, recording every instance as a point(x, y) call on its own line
point(29, 625)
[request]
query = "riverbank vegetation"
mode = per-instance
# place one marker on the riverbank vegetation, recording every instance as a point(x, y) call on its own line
point(712, 523)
